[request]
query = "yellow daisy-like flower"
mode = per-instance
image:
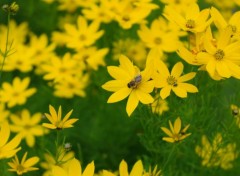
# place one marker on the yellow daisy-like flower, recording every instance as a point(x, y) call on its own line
point(194, 20)
point(56, 119)
point(27, 126)
point(173, 81)
point(154, 172)
point(159, 106)
point(137, 170)
point(129, 81)
point(74, 168)
point(25, 166)
point(175, 134)
point(8, 149)
point(17, 93)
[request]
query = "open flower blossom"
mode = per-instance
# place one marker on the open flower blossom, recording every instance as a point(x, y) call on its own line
point(221, 57)
point(193, 20)
point(8, 149)
point(129, 81)
point(26, 165)
point(56, 119)
point(175, 134)
point(137, 170)
point(27, 126)
point(173, 81)
point(17, 93)
point(73, 168)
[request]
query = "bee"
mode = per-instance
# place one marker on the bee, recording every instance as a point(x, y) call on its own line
point(135, 82)
point(235, 110)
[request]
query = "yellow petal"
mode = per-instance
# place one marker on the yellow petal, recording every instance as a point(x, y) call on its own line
point(119, 95)
point(146, 87)
point(222, 69)
point(137, 169)
point(189, 87)
point(187, 56)
point(48, 125)
point(53, 113)
point(224, 38)
point(211, 67)
point(114, 85)
point(165, 92)
point(144, 98)
point(235, 18)
point(123, 168)
point(31, 161)
point(167, 131)
point(89, 170)
point(208, 42)
point(107, 173)
point(127, 65)
point(67, 116)
point(177, 125)
point(118, 73)
point(132, 103)
point(56, 170)
point(177, 70)
point(186, 77)
point(218, 19)
point(4, 133)
point(162, 68)
point(180, 92)
point(168, 139)
point(192, 11)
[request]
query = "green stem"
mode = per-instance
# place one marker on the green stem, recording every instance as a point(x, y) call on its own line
point(169, 157)
point(5, 54)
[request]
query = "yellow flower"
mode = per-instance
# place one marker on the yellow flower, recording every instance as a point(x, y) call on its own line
point(173, 81)
point(175, 134)
point(27, 126)
point(193, 21)
point(137, 170)
point(221, 58)
point(129, 81)
point(4, 113)
point(25, 166)
point(17, 93)
point(159, 36)
point(154, 172)
point(8, 149)
point(56, 119)
point(74, 168)
point(159, 106)
point(236, 113)
point(217, 153)
point(222, 24)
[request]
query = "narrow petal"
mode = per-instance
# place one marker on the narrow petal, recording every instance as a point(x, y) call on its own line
point(223, 70)
point(192, 12)
point(31, 161)
point(53, 113)
point(67, 116)
point(56, 170)
point(127, 65)
point(75, 168)
point(218, 19)
point(144, 98)
point(177, 70)
point(89, 170)
point(189, 87)
point(48, 125)
point(168, 139)
point(132, 103)
point(167, 131)
point(180, 92)
point(123, 168)
point(211, 67)
point(186, 77)
point(119, 95)
point(224, 38)
point(114, 85)
point(177, 125)
point(118, 73)
point(4, 133)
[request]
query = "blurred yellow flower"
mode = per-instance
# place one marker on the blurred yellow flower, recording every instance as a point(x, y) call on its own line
point(137, 170)
point(159, 106)
point(4, 113)
point(27, 126)
point(193, 20)
point(174, 81)
point(217, 153)
point(129, 81)
point(236, 113)
point(17, 93)
point(56, 121)
point(25, 166)
point(154, 172)
point(175, 134)
point(8, 149)
point(73, 168)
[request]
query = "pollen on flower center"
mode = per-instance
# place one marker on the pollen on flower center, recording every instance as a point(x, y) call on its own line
point(219, 54)
point(190, 24)
point(172, 81)
point(158, 40)
point(20, 168)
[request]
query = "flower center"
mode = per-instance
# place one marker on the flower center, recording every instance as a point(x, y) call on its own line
point(157, 40)
point(126, 18)
point(219, 54)
point(135, 82)
point(234, 28)
point(190, 24)
point(20, 168)
point(172, 81)
point(82, 37)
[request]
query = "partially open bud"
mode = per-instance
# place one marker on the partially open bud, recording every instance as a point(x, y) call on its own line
point(12, 9)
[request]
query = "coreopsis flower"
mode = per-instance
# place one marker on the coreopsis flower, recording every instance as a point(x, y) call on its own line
point(221, 57)
point(175, 134)
point(159, 105)
point(222, 24)
point(73, 167)
point(193, 20)
point(129, 81)
point(91, 57)
point(173, 81)
point(26, 165)
point(8, 149)
point(154, 172)
point(27, 126)
point(236, 113)
point(50, 161)
point(137, 170)
point(217, 153)
point(17, 93)
point(56, 121)
point(82, 35)
point(159, 36)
